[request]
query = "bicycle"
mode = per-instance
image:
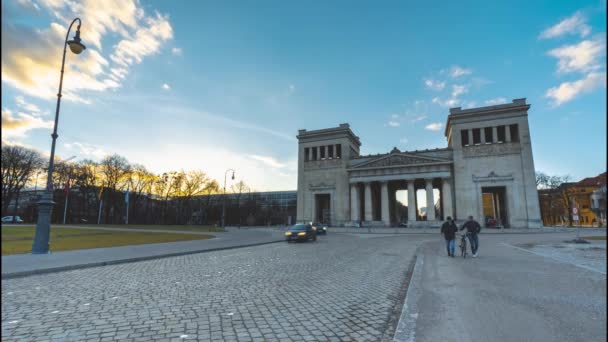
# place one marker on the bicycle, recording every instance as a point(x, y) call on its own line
point(463, 245)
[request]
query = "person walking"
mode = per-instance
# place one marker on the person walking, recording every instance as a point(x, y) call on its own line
point(449, 229)
point(473, 228)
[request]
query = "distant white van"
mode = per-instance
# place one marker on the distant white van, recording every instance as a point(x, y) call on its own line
point(9, 219)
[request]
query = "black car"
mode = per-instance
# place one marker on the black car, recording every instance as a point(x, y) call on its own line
point(301, 232)
point(321, 228)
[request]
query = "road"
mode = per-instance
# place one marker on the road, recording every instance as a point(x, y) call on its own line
point(510, 294)
point(344, 287)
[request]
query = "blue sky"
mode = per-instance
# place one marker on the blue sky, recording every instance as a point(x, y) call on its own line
point(213, 85)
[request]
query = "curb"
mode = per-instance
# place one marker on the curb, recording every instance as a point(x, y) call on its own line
point(406, 327)
point(124, 261)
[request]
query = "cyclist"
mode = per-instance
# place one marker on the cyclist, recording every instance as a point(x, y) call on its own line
point(473, 228)
point(449, 229)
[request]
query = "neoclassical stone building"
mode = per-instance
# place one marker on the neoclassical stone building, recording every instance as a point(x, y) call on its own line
point(486, 170)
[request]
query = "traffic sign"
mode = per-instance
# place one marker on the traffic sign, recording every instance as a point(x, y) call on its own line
point(574, 211)
point(575, 218)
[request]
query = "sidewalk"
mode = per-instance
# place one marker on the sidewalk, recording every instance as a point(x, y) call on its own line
point(402, 230)
point(28, 264)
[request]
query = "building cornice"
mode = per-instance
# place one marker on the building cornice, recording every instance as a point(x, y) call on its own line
point(518, 105)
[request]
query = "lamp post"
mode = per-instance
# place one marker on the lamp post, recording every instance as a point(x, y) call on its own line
point(224, 198)
point(45, 205)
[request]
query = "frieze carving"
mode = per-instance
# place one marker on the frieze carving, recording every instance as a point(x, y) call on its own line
point(395, 159)
point(493, 177)
point(323, 164)
point(322, 186)
point(491, 150)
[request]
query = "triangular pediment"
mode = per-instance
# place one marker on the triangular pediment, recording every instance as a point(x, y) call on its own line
point(399, 159)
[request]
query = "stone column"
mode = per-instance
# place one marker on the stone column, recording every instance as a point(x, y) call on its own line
point(470, 132)
point(354, 203)
point(411, 203)
point(430, 203)
point(318, 152)
point(384, 204)
point(368, 201)
point(482, 135)
point(507, 134)
point(494, 134)
point(310, 153)
point(446, 198)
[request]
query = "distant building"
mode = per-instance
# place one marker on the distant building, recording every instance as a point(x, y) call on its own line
point(588, 195)
point(486, 169)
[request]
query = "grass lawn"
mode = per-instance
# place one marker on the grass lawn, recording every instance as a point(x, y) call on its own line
point(193, 228)
point(593, 237)
point(17, 240)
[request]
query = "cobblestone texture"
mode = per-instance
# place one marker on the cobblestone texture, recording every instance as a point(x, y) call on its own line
point(340, 288)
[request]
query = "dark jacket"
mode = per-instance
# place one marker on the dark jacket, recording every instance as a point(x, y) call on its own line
point(449, 229)
point(472, 227)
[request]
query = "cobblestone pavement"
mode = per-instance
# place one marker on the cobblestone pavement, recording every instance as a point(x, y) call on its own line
point(340, 288)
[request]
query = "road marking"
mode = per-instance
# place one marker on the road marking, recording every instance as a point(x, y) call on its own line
point(554, 258)
point(406, 328)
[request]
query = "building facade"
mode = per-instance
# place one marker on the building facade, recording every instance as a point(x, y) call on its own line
point(487, 169)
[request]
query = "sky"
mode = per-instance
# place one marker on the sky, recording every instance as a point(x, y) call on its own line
point(213, 85)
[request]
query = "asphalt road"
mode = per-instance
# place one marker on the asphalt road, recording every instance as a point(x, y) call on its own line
point(344, 287)
point(510, 294)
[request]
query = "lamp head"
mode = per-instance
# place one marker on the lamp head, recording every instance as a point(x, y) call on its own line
point(232, 175)
point(75, 45)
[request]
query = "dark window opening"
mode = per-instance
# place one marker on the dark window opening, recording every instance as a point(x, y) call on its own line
point(338, 151)
point(500, 132)
point(314, 153)
point(488, 134)
point(514, 130)
point(476, 136)
point(464, 137)
point(322, 152)
point(306, 151)
point(330, 151)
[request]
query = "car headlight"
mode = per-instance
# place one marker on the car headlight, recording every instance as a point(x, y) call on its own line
point(302, 234)
point(324, 228)
point(314, 228)
point(288, 234)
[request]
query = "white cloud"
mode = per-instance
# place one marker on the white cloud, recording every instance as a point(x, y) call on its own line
point(567, 91)
point(394, 123)
point(176, 51)
point(419, 118)
point(166, 86)
point(395, 116)
point(87, 150)
point(17, 126)
point(459, 89)
point(584, 56)
point(435, 126)
point(575, 24)
point(434, 84)
point(33, 68)
point(403, 141)
point(496, 101)
point(269, 161)
point(26, 106)
point(451, 102)
point(457, 71)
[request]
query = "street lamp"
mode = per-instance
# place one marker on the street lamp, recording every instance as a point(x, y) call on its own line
point(45, 205)
point(224, 198)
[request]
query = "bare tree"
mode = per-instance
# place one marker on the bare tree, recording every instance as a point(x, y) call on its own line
point(114, 170)
point(19, 165)
point(238, 189)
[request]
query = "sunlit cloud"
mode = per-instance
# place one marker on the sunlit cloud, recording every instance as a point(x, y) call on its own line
point(567, 91)
point(435, 126)
point(268, 161)
point(459, 89)
point(575, 24)
point(17, 125)
point(582, 57)
point(165, 86)
point(457, 71)
point(394, 123)
point(450, 102)
point(33, 68)
point(419, 118)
